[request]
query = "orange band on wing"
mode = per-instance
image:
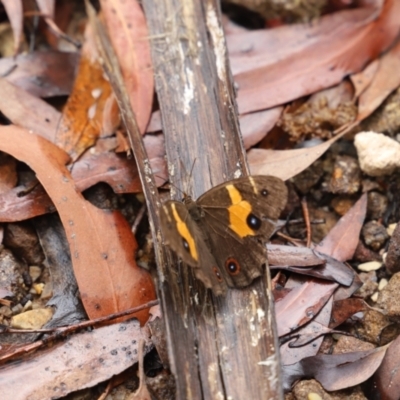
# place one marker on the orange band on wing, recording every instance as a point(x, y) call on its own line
point(238, 213)
point(184, 232)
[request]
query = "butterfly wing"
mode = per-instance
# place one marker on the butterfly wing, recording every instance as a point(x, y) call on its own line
point(239, 217)
point(184, 236)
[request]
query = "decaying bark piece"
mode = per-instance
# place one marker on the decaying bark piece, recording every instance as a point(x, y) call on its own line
point(219, 347)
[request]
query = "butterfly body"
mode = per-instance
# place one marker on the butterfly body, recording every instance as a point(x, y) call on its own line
point(222, 234)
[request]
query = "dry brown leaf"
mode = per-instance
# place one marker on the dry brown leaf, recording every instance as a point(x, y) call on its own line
point(340, 371)
point(84, 360)
point(285, 164)
point(8, 173)
point(128, 32)
point(41, 73)
point(291, 355)
point(24, 202)
point(385, 80)
point(14, 10)
point(344, 309)
point(387, 378)
point(91, 109)
point(256, 125)
point(280, 255)
point(273, 67)
point(302, 304)
point(364, 78)
point(342, 240)
point(28, 111)
point(101, 243)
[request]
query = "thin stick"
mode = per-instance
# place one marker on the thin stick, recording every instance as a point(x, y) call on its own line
point(306, 219)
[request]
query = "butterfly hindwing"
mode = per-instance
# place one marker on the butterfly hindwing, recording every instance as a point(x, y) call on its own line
point(239, 217)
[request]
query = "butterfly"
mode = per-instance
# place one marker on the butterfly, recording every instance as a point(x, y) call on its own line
point(222, 234)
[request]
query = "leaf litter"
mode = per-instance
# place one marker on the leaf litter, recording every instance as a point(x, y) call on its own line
point(275, 70)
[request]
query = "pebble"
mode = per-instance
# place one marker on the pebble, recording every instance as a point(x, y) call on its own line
point(35, 272)
point(374, 297)
point(370, 266)
point(382, 283)
point(390, 229)
point(378, 154)
point(374, 235)
point(33, 319)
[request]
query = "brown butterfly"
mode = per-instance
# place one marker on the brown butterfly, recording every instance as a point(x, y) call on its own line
point(222, 234)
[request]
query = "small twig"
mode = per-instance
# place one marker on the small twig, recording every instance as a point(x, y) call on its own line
point(63, 331)
point(299, 221)
point(306, 215)
point(295, 242)
point(138, 218)
point(106, 390)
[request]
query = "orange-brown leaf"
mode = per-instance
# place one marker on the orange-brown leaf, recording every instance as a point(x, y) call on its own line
point(101, 243)
point(128, 32)
point(91, 109)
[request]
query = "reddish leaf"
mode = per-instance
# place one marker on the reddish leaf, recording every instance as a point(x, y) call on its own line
point(101, 243)
point(342, 240)
point(273, 67)
point(387, 377)
point(130, 38)
point(256, 125)
point(53, 72)
point(91, 109)
point(288, 163)
point(8, 173)
point(28, 111)
point(120, 173)
point(301, 304)
point(385, 80)
point(344, 309)
point(312, 333)
point(84, 360)
point(364, 78)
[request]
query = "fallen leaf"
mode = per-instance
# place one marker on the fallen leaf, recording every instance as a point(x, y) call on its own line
point(272, 67)
point(311, 333)
point(340, 371)
point(280, 255)
point(342, 240)
point(385, 80)
point(387, 377)
point(53, 72)
point(344, 309)
point(101, 243)
point(82, 361)
point(335, 371)
point(28, 111)
point(363, 79)
point(285, 164)
point(8, 173)
point(302, 304)
point(91, 109)
point(128, 32)
point(256, 125)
